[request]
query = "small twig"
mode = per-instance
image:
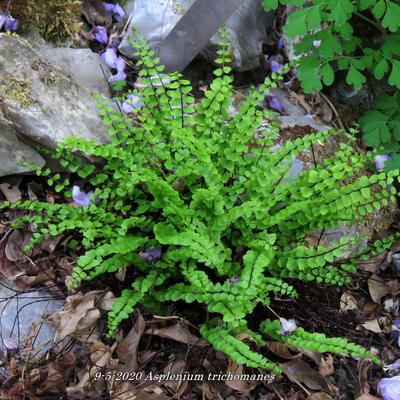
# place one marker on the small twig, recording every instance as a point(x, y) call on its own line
point(334, 111)
point(372, 22)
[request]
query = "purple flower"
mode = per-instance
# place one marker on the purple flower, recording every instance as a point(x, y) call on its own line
point(133, 102)
point(281, 43)
point(119, 65)
point(160, 81)
point(389, 388)
point(274, 65)
point(316, 43)
point(10, 344)
point(117, 11)
point(3, 19)
point(379, 161)
point(392, 367)
point(150, 254)
point(100, 34)
point(287, 326)
point(110, 56)
point(273, 103)
point(81, 198)
point(396, 323)
point(10, 23)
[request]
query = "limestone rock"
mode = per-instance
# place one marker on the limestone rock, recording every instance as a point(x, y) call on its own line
point(13, 151)
point(84, 66)
point(44, 103)
point(19, 310)
point(247, 26)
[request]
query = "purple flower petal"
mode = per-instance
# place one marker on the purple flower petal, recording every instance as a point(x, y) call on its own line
point(281, 43)
point(10, 344)
point(110, 57)
point(316, 43)
point(100, 34)
point(392, 367)
point(3, 19)
point(273, 103)
point(131, 103)
point(380, 160)
point(389, 388)
point(274, 65)
point(397, 323)
point(119, 76)
point(117, 11)
point(120, 64)
point(109, 6)
point(80, 198)
point(158, 81)
point(287, 326)
point(11, 24)
point(150, 255)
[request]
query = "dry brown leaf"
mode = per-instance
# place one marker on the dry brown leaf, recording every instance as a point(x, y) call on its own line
point(49, 244)
point(15, 243)
point(12, 193)
point(369, 309)
point(319, 396)
point(372, 325)
point(377, 288)
point(373, 264)
point(100, 355)
point(178, 332)
point(79, 316)
point(282, 350)
point(59, 372)
point(347, 302)
point(8, 269)
point(240, 386)
point(127, 348)
point(326, 367)
point(176, 366)
point(367, 396)
point(298, 371)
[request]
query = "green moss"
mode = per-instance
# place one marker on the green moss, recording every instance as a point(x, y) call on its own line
point(47, 73)
point(56, 20)
point(17, 89)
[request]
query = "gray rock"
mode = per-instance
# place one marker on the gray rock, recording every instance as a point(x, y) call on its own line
point(13, 151)
point(84, 66)
point(246, 27)
point(19, 310)
point(44, 103)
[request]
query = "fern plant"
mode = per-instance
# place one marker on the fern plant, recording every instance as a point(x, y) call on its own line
point(195, 202)
point(331, 41)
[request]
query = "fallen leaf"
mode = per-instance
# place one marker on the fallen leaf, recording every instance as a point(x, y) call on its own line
point(326, 367)
point(49, 244)
point(12, 193)
point(377, 288)
point(372, 325)
point(239, 385)
point(369, 309)
point(178, 332)
point(319, 396)
point(298, 371)
point(176, 366)
point(15, 243)
point(282, 350)
point(347, 302)
point(373, 264)
point(127, 348)
point(79, 316)
point(100, 355)
point(367, 396)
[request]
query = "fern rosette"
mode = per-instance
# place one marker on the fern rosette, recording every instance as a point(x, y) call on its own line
point(205, 191)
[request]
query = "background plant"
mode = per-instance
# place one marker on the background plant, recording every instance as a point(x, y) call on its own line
point(331, 41)
point(56, 20)
point(194, 203)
